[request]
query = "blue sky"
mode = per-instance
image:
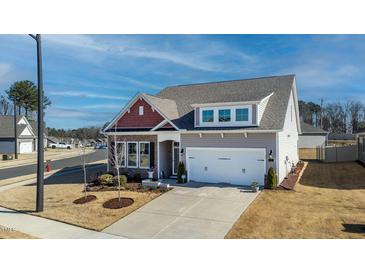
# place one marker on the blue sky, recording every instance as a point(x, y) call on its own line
point(90, 77)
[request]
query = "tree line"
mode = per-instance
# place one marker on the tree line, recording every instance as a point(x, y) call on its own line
point(337, 117)
point(25, 96)
point(80, 133)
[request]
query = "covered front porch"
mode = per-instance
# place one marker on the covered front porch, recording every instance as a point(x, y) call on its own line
point(168, 148)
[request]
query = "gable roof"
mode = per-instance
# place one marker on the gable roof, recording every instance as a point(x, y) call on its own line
point(7, 126)
point(308, 129)
point(233, 91)
point(176, 102)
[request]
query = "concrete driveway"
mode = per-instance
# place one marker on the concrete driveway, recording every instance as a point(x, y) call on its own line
point(193, 211)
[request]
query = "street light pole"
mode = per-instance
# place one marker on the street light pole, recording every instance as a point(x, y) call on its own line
point(15, 133)
point(40, 151)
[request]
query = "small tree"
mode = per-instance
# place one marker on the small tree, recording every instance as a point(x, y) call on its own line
point(271, 180)
point(180, 171)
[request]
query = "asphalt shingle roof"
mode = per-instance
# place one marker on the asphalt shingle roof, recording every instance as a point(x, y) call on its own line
point(7, 126)
point(182, 97)
point(309, 129)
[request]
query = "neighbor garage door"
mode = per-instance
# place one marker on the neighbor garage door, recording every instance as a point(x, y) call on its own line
point(240, 166)
point(25, 147)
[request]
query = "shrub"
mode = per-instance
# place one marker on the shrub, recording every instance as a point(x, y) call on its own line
point(137, 177)
point(106, 179)
point(125, 173)
point(122, 180)
point(271, 180)
point(180, 171)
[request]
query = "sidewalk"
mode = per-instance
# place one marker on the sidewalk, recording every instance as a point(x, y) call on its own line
point(31, 158)
point(47, 229)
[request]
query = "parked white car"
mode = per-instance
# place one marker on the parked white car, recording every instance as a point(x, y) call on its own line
point(60, 145)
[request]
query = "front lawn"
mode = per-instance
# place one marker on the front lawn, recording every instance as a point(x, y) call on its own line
point(59, 204)
point(328, 202)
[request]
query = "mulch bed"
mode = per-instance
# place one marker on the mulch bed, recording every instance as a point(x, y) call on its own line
point(118, 203)
point(84, 200)
point(131, 186)
point(289, 183)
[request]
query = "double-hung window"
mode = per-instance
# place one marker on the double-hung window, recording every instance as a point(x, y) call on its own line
point(207, 116)
point(121, 152)
point(224, 115)
point(132, 154)
point(144, 154)
point(241, 114)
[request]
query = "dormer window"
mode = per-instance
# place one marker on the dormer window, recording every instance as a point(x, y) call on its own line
point(208, 116)
point(224, 115)
point(242, 114)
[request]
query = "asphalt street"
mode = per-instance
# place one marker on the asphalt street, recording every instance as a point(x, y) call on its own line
point(65, 164)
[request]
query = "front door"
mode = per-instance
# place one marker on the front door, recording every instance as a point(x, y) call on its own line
point(175, 156)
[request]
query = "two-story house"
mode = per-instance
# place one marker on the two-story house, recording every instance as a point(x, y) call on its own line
point(224, 132)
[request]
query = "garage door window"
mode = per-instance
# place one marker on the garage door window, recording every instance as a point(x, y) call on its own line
point(144, 154)
point(224, 115)
point(132, 154)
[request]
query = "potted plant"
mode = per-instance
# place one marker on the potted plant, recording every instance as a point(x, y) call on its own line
point(255, 186)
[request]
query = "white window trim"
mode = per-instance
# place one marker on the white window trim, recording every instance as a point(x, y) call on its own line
point(248, 115)
point(149, 154)
point(137, 154)
point(125, 153)
point(230, 115)
point(233, 121)
point(140, 110)
point(202, 115)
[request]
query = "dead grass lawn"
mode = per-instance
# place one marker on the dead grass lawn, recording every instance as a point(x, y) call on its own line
point(59, 204)
point(329, 202)
point(6, 233)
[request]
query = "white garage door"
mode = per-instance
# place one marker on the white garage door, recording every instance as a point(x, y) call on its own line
point(240, 166)
point(25, 147)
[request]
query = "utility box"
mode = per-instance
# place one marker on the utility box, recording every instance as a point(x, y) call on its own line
point(7, 157)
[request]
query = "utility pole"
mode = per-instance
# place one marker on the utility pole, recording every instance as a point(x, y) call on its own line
point(322, 113)
point(40, 151)
point(15, 133)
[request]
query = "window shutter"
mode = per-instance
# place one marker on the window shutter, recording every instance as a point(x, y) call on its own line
point(152, 154)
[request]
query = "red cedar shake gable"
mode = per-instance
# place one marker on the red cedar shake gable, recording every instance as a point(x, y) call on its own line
point(132, 119)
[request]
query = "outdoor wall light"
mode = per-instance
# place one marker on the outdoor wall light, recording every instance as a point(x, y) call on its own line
point(271, 158)
point(182, 151)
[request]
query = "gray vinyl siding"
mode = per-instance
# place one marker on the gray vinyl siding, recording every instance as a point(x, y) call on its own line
point(254, 114)
point(197, 116)
point(311, 141)
point(231, 140)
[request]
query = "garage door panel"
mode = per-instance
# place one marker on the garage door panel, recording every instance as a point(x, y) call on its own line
point(235, 166)
point(25, 147)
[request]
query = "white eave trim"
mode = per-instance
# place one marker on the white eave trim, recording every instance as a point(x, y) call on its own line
point(191, 132)
point(226, 104)
point(128, 106)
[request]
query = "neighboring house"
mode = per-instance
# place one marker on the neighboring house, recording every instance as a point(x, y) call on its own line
point(311, 137)
point(26, 139)
point(361, 146)
point(34, 126)
point(231, 131)
point(341, 137)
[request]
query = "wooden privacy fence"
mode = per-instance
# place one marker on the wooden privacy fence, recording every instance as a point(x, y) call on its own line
point(332, 154)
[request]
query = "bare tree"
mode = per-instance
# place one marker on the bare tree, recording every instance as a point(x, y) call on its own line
point(5, 106)
point(356, 113)
point(334, 117)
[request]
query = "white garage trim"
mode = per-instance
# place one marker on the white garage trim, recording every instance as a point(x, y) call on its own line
point(190, 149)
